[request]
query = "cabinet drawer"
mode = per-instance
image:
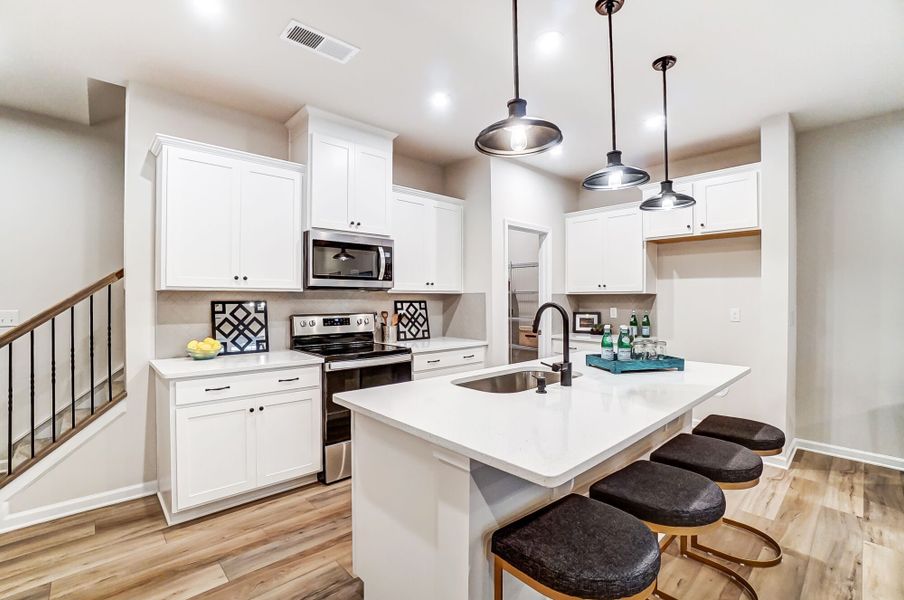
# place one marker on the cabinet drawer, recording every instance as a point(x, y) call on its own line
point(450, 358)
point(558, 346)
point(250, 384)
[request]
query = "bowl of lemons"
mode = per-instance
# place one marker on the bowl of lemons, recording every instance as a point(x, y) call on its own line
point(204, 350)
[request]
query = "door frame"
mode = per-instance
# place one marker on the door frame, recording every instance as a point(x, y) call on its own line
point(544, 260)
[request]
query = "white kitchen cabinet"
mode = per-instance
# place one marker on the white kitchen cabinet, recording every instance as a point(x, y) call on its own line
point(558, 346)
point(447, 362)
point(349, 176)
point(605, 252)
point(427, 231)
point(226, 220)
point(227, 439)
point(727, 201)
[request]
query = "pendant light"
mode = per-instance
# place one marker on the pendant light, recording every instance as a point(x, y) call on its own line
point(518, 135)
point(667, 198)
point(615, 175)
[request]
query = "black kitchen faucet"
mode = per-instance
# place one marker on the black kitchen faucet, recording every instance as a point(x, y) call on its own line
point(563, 367)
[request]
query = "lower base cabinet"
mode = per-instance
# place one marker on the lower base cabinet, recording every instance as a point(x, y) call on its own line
point(216, 450)
point(558, 346)
point(447, 362)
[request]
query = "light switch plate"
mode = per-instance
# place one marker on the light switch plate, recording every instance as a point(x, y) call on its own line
point(734, 314)
point(9, 318)
point(613, 313)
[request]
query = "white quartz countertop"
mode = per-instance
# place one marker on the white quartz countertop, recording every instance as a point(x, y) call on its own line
point(440, 344)
point(546, 439)
point(184, 368)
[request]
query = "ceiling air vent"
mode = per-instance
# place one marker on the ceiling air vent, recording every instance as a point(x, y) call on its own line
point(318, 42)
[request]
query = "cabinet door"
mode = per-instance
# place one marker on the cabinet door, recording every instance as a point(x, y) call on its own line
point(215, 450)
point(447, 250)
point(271, 228)
point(669, 223)
point(584, 254)
point(623, 251)
point(412, 236)
point(288, 436)
point(373, 187)
point(330, 169)
point(727, 202)
point(199, 221)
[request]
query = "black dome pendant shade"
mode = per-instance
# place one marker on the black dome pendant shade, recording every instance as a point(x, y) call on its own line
point(667, 199)
point(518, 135)
point(615, 175)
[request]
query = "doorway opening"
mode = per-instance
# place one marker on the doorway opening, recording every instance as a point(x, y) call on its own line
point(528, 287)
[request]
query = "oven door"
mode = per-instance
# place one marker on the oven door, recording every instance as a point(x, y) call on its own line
point(342, 260)
point(337, 420)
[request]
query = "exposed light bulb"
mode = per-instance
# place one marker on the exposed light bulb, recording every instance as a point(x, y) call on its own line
point(519, 138)
point(616, 178)
point(668, 201)
point(557, 151)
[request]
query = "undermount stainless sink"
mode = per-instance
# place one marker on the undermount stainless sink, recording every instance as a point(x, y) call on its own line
point(511, 382)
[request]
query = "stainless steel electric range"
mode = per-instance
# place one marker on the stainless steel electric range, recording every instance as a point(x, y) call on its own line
point(353, 360)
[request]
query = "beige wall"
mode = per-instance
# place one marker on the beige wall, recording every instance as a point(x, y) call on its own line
point(417, 174)
point(850, 384)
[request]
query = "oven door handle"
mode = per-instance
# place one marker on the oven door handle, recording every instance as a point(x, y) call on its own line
point(345, 365)
point(382, 251)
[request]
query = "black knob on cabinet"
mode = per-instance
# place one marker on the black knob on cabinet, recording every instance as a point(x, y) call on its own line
point(604, 285)
point(702, 225)
point(352, 223)
point(245, 278)
point(261, 409)
point(688, 226)
point(599, 285)
point(250, 410)
point(359, 224)
point(236, 277)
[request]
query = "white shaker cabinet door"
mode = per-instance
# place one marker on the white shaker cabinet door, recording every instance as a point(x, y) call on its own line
point(288, 436)
point(331, 167)
point(623, 252)
point(271, 224)
point(727, 202)
point(214, 452)
point(412, 234)
point(199, 221)
point(447, 248)
point(584, 254)
point(669, 223)
point(372, 191)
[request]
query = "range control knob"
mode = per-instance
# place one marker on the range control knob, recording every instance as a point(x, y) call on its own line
point(366, 321)
point(304, 323)
point(311, 322)
point(360, 321)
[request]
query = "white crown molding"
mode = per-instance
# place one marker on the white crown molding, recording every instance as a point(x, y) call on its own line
point(161, 141)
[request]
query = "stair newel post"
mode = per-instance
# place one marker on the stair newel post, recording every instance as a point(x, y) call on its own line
point(72, 359)
point(53, 410)
point(91, 345)
point(9, 415)
point(110, 343)
point(31, 339)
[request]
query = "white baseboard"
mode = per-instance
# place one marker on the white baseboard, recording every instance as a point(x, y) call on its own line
point(70, 507)
point(870, 458)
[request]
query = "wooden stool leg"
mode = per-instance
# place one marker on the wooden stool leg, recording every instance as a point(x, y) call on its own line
point(767, 540)
point(497, 578)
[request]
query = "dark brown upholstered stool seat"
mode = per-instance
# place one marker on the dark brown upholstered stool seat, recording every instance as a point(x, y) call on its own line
point(581, 548)
point(723, 462)
point(762, 438)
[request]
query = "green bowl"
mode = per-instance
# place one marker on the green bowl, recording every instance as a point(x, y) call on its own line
point(197, 355)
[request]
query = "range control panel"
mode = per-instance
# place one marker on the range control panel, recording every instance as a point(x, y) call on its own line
point(326, 324)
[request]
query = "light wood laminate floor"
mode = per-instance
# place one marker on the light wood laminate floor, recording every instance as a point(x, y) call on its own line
point(841, 524)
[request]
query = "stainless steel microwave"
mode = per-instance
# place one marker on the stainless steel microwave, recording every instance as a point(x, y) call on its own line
point(347, 260)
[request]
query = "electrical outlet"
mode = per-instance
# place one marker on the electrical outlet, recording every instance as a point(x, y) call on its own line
point(613, 313)
point(9, 318)
point(734, 315)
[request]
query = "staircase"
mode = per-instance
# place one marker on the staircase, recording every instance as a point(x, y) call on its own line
point(72, 405)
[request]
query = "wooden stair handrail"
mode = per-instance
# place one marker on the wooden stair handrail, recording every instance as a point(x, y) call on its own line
point(57, 309)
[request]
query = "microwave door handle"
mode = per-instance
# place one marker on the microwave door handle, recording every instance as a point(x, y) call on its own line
point(382, 252)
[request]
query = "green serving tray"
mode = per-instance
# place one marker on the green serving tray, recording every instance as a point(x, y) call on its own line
point(666, 363)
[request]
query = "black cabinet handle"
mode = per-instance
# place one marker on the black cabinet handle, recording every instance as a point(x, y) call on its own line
point(261, 409)
point(245, 278)
point(359, 224)
point(468, 356)
point(688, 226)
point(604, 285)
point(250, 410)
point(219, 389)
point(288, 380)
point(433, 362)
point(352, 223)
point(702, 225)
point(236, 277)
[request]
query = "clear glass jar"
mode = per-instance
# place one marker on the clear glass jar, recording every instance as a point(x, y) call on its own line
point(640, 349)
point(661, 349)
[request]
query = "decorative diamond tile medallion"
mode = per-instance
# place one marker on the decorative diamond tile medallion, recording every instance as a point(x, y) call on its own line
point(413, 321)
point(241, 325)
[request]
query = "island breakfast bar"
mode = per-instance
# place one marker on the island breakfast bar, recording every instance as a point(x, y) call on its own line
point(438, 467)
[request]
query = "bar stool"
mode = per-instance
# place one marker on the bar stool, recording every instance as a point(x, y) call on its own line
point(674, 502)
point(578, 548)
point(732, 467)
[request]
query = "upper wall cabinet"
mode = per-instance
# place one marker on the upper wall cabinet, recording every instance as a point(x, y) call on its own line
point(226, 219)
point(349, 171)
point(605, 253)
point(427, 232)
point(727, 201)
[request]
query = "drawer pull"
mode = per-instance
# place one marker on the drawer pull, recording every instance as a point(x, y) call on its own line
point(433, 362)
point(219, 389)
point(287, 381)
point(468, 356)
point(572, 347)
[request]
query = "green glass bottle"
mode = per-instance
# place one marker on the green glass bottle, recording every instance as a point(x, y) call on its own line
point(608, 348)
point(645, 326)
point(633, 324)
point(624, 343)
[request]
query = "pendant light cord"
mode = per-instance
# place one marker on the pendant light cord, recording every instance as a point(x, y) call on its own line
point(609, 7)
point(665, 116)
point(515, 47)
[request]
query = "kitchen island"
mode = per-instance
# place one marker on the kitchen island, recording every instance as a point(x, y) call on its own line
point(438, 467)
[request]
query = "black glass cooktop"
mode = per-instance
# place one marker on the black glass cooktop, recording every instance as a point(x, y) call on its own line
point(332, 352)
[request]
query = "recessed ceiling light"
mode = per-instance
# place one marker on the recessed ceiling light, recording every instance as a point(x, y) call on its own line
point(655, 122)
point(549, 43)
point(208, 8)
point(440, 100)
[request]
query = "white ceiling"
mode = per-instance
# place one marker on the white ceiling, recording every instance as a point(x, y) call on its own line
point(825, 61)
